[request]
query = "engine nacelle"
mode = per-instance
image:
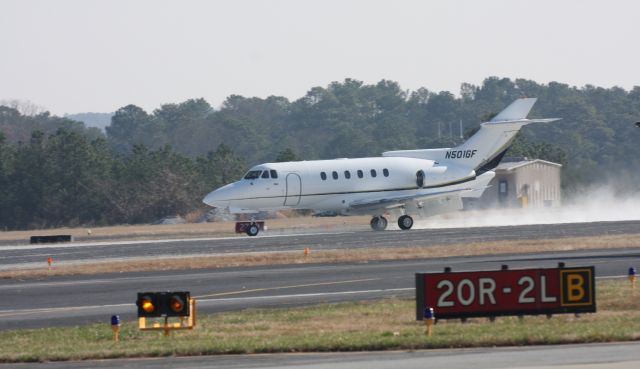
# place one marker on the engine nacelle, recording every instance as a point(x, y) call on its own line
point(420, 178)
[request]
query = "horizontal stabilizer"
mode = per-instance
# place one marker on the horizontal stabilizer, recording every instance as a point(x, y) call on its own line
point(522, 121)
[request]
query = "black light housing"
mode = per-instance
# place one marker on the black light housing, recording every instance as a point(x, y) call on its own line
point(160, 304)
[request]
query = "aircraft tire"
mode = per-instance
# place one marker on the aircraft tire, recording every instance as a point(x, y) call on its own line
point(405, 222)
point(379, 223)
point(253, 230)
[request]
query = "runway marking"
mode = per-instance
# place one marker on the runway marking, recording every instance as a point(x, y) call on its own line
point(287, 287)
point(301, 295)
point(6, 313)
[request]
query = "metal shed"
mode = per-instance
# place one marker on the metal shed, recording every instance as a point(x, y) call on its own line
point(523, 183)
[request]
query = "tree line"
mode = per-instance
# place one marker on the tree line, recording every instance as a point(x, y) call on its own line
point(55, 171)
point(66, 179)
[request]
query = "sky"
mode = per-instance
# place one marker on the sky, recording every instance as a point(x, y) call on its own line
point(72, 56)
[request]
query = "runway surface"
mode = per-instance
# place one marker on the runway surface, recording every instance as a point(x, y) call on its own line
point(72, 300)
point(29, 256)
point(591, 356)
point(69, 300)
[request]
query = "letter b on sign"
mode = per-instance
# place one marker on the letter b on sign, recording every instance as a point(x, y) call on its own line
point(577, 288)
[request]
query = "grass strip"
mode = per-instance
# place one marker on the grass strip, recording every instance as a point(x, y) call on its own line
point(387, 324)
point(334, 256)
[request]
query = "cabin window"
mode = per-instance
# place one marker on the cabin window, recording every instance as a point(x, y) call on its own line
point(323, 175)
point(360, 174)
point(274, 174)
point(373, 173)
point(334, 174)
point(265, 174)
point(385, 171)
point(253, 174)
point(347, 174)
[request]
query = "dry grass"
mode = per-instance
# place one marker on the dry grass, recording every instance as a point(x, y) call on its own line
point(335, 256)
point(387, 324)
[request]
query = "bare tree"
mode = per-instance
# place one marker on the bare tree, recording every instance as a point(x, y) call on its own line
point(25, 107)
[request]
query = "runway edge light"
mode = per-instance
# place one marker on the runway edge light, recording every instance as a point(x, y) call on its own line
point(429, 319)
point(115, 327)
point(633, 276)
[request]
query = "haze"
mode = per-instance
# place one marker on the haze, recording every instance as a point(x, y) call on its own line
point(599, 203)
point(78, 56)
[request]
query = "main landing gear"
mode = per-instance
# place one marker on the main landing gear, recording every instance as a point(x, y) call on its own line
point(379, 223)
point(405, 222)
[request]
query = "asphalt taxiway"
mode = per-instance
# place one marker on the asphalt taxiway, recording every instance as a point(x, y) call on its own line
point(29, 256)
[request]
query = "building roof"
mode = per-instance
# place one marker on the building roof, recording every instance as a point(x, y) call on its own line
point(511, 165)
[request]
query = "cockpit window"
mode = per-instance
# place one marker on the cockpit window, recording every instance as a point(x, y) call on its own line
point(265, 174)
point(274, 174)
point(253, 174)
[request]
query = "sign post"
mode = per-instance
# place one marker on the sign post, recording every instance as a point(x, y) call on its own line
point(462, 295)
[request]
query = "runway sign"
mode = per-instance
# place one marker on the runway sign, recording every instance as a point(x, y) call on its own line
point(506, 292)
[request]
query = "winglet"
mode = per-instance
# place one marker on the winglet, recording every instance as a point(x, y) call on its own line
point(518, 109)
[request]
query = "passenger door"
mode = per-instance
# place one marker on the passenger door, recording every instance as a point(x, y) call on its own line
point(293, 190)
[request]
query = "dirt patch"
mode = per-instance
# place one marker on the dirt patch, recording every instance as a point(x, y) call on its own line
point(336, 256)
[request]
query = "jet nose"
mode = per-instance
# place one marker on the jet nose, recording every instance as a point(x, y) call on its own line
point(211, 199)
point(219, 198)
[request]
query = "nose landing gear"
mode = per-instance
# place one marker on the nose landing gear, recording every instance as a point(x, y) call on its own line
point(378, 223)
point(405, 222)
point(251, 228)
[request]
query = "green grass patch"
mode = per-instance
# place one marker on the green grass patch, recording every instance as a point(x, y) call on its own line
point(387, 324)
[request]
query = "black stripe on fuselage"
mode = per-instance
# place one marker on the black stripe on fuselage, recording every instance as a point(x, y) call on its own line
point(354, 192)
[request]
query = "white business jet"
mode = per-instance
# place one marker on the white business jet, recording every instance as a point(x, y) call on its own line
point(398, 185)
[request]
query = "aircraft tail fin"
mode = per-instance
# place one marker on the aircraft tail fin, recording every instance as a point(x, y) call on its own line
point(484, 150)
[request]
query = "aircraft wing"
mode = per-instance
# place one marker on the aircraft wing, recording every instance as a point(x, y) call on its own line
point(382, 204)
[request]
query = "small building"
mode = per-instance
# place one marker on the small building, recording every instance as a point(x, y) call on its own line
point(520, 182)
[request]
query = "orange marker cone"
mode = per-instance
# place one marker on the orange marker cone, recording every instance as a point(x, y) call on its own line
point(306, 252)
point(49, 261)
